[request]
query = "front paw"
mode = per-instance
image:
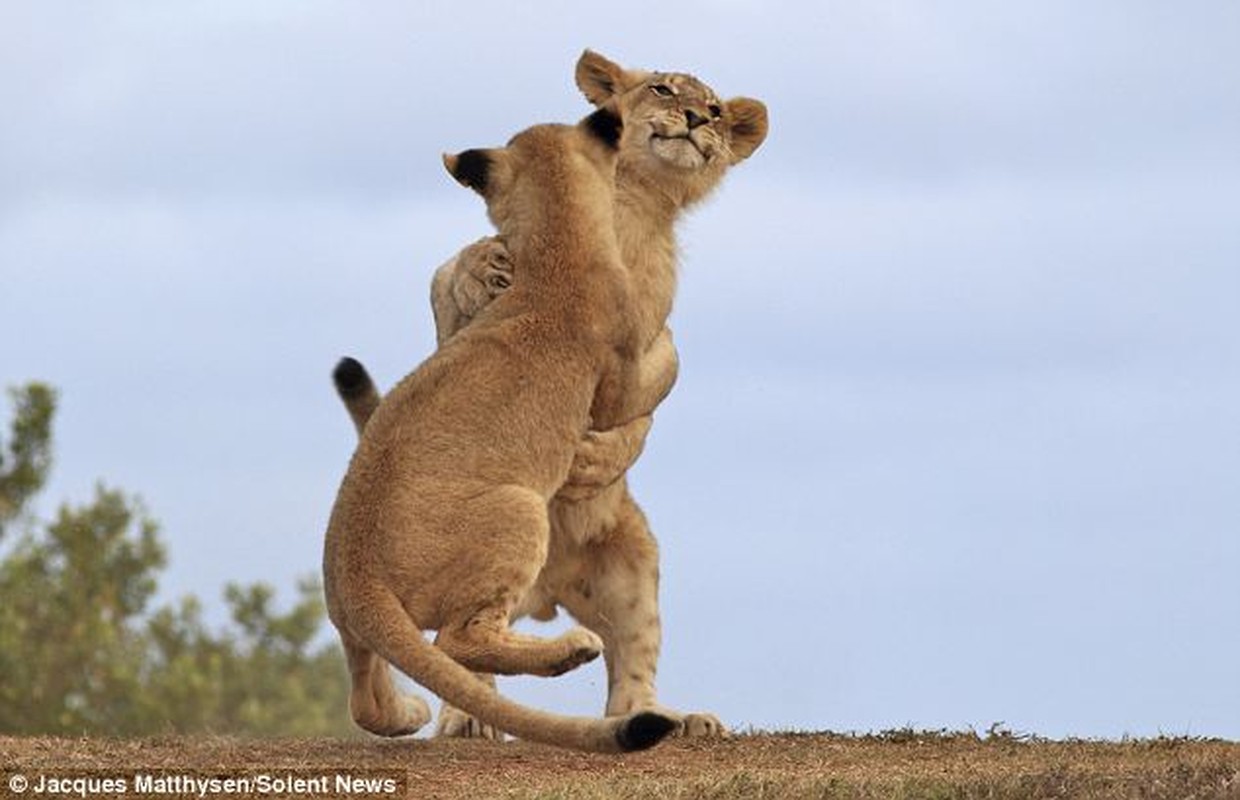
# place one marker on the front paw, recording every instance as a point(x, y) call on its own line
point(483, 272)
point(467, 282)
point(592, 471)
point(594, 464)
point(603, 457)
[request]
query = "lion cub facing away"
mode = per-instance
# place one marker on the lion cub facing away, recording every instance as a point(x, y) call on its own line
point(441, 520)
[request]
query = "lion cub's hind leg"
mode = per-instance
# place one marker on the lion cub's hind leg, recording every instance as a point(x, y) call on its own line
point(622, 573)
point(374, 701)
point(513, 522)
point(485, 643)
point(455, 723)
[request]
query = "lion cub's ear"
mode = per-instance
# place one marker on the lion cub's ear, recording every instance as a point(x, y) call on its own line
point(600, 79)
point(746, 119)
point(472, 168)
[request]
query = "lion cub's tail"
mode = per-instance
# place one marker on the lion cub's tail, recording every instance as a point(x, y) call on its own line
point(387, 628)
point(357, 391)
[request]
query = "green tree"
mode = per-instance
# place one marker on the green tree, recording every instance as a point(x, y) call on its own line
point(81, 653)
point(265, 677)
point(72, 593)
point(26, 457)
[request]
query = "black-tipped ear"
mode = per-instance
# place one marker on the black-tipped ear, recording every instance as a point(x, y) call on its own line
point(471, 168)
point(606, 126)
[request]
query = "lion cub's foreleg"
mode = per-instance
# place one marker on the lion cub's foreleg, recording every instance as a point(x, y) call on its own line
point(656, 373)
point(602, 457)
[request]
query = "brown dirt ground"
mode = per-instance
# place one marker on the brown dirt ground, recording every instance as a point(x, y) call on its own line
point(892, 765)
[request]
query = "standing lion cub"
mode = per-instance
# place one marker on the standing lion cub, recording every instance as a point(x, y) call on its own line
point(441, 521)
point(680, 139)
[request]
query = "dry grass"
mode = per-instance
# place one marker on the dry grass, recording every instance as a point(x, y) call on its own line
point(900, 764)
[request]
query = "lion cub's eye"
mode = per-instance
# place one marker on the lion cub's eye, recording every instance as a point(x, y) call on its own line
point(662, 90)
point(715, 111)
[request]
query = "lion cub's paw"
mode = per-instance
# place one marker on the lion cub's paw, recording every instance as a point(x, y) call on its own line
point(696, 725)
point(455, 723)
point(584, 646)
point(414, 713)
point(484, 272)
point(602, 458)
point(702, 725)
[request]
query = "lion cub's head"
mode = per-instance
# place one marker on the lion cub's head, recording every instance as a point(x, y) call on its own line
point(679, 137)
point(554, 181)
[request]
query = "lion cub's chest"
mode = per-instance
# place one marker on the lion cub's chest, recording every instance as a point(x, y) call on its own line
point(648, 249)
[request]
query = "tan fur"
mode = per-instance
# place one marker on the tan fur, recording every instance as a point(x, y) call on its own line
point(441, 521)
point(603, 560)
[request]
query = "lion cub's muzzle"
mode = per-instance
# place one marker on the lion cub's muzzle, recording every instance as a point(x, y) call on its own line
point(683, 143)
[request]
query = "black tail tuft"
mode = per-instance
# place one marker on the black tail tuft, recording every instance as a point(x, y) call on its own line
point(351, 378)
point(644, 730)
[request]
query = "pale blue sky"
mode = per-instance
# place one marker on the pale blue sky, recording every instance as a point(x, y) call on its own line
point(957, 434)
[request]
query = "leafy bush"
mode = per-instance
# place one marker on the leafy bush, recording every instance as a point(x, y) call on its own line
point(81, 652)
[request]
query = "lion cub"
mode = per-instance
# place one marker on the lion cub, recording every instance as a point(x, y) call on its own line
point(441, 520)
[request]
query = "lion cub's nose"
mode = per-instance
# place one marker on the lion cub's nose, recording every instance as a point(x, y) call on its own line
point(695, 119)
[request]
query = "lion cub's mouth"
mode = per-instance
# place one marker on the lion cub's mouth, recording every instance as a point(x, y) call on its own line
point(680, 150)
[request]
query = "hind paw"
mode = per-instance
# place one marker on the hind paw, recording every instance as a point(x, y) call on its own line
point(698, 725)
point(585, 646)
point(455, 723)
point(416, 714)
point(405, 718)
point(702, 725)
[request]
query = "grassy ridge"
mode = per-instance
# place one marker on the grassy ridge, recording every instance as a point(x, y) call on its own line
point(898, 765)
point(903, 765)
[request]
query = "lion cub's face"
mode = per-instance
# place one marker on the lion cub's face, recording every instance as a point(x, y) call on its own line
point(681, 122)
point(678, 133)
